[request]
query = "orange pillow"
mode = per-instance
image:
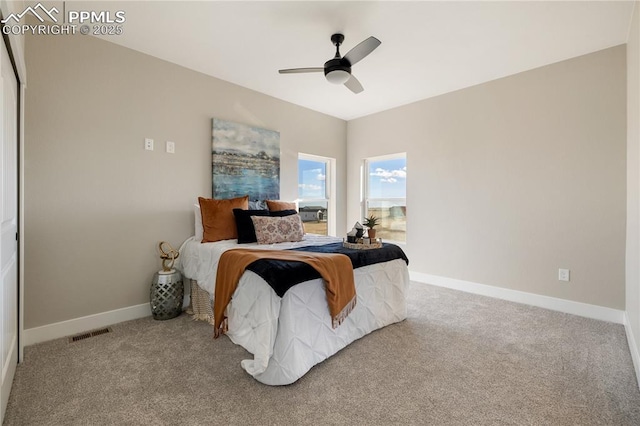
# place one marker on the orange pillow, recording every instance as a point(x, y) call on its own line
point(218, 221)
point(276, 206)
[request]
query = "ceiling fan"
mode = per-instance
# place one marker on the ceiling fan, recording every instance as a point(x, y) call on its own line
point(338, 69)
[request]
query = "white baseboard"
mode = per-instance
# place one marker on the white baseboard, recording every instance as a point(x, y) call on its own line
point(633, 347)
point(79, 325)
point(553, 303)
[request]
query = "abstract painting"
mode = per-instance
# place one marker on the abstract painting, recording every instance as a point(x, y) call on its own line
point(246, 161)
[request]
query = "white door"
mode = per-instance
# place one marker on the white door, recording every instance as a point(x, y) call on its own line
point(8, 225)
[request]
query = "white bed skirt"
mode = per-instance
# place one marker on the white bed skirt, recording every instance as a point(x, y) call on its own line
point(288, 336)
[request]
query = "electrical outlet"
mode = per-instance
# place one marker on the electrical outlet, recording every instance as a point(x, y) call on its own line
point(171, 147)
point(148, 144)
point(563, 274)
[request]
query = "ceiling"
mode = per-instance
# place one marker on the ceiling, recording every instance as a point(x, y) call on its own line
point(428, 48)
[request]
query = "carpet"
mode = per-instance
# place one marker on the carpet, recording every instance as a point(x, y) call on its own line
point(458, 359)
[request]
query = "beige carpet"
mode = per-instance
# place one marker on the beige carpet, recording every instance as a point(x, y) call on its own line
point(458, 359)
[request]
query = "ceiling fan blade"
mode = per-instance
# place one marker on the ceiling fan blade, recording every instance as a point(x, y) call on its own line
point(301, 70)
point(354, 85)
point(363, 49)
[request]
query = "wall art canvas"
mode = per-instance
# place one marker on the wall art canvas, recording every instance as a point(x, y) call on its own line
point(246, 161)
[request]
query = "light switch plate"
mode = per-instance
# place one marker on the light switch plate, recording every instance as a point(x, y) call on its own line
point(171, 147)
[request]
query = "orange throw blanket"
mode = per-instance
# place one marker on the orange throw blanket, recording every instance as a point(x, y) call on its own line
point(336, 270)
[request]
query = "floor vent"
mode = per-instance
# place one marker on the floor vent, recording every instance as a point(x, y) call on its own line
point(88, 334)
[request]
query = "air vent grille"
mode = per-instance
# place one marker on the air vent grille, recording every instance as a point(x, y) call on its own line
point(88, 334)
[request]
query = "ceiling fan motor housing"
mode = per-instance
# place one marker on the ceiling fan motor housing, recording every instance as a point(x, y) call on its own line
point(337, 70)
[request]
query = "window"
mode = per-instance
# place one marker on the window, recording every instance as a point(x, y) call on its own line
point(385, 195)
point(315, 194)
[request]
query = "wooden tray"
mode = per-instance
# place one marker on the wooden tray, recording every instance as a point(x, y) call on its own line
point(360, 246)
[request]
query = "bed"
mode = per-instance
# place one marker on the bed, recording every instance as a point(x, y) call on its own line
point(288, 335)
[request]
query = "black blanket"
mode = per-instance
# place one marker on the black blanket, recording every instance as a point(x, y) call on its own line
point(282, 275)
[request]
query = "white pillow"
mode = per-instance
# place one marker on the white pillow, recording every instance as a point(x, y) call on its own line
point(199, 231)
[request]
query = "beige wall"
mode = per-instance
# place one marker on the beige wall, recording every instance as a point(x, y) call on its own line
point(633, 186)
point(510, 180)
point(96, 202)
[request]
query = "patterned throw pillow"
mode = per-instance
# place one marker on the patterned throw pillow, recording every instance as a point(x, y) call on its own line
point(271, 230)
point(258, 205)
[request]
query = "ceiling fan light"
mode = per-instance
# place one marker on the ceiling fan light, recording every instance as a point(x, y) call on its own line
point(338, 76)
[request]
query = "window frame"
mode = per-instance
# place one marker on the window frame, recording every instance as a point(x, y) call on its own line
point(364, 194)
point(329, 188)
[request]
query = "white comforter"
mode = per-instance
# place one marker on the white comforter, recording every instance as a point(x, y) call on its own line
point(288, 336)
